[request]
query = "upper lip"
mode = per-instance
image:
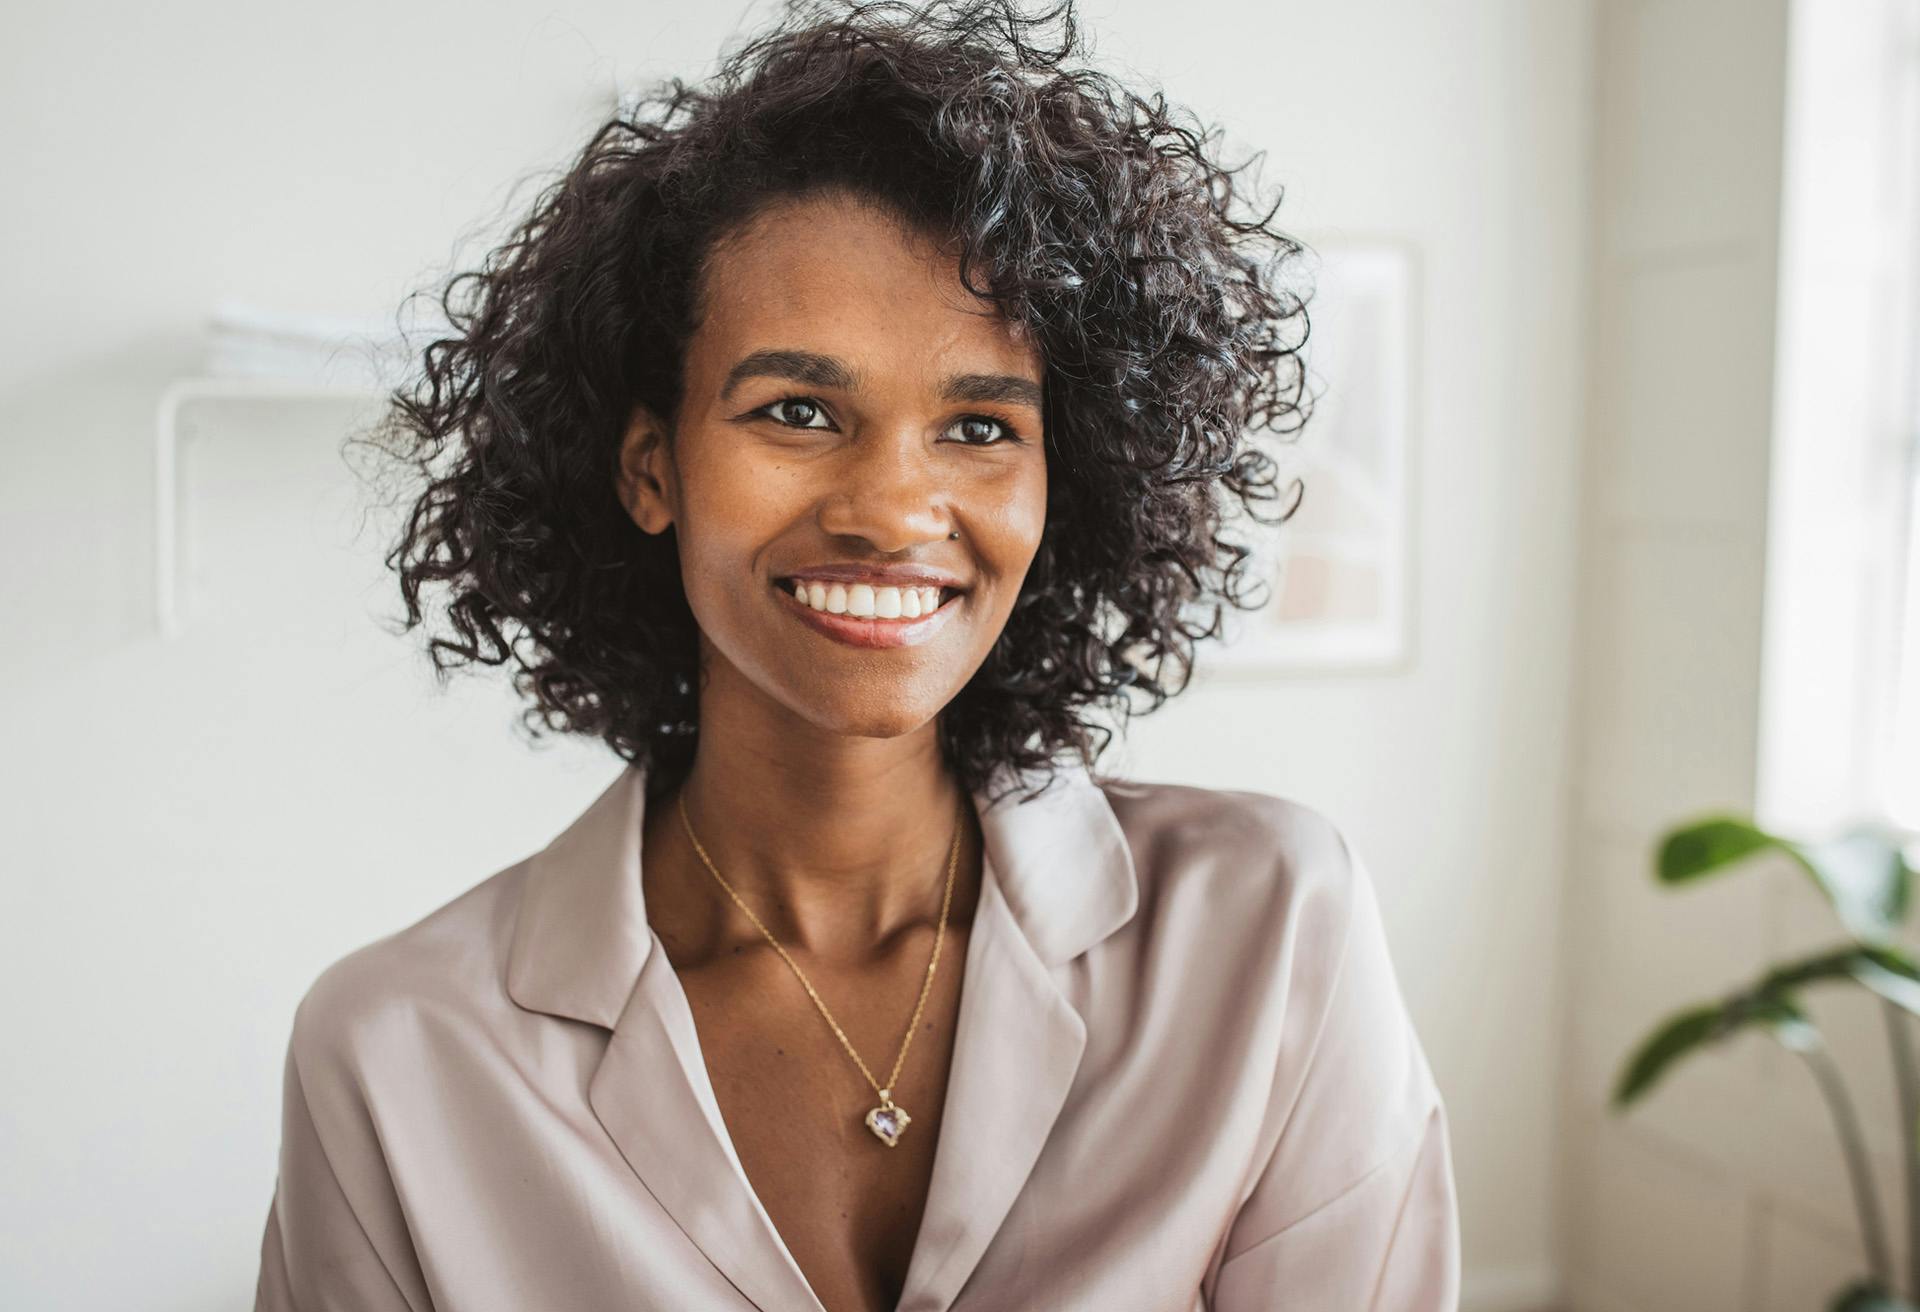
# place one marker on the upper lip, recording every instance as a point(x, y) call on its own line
point(898, 576)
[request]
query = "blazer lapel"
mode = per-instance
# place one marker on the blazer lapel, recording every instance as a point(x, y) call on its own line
point(582, 948)
point(1059, 878)
point(652, 1094)
point(1016, 1048)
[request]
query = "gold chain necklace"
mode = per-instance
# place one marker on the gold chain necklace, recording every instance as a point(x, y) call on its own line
point(888, 1120)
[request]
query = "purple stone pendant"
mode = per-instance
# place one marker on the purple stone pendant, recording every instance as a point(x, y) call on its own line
point(887, 1120)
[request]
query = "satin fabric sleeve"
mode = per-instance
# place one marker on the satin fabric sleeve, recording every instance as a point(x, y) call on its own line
point(336, 1238)
point(1356, 1208)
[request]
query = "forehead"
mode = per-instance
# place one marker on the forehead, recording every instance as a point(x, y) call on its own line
point(834, 274)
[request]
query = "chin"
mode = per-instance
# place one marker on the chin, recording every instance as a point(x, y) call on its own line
point(863, 719)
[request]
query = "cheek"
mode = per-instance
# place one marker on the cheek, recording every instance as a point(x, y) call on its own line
point(728, 511)
point(1014, 515)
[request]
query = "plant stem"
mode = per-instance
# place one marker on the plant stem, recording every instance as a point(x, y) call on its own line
point(1847, 1122)
point(1906, 1079)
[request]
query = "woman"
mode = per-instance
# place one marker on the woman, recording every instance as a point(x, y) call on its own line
point(828, 442)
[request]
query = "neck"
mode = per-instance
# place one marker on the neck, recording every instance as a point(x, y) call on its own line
point(837, 844)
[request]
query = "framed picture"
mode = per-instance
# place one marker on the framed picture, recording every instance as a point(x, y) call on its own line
point(1337, 572)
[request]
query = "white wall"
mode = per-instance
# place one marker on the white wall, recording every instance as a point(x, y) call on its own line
point(1463, 128)
point(1689, 119)
point(196, 827)
point(1730, 394)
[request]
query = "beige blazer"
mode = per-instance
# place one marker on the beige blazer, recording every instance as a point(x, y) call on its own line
point(1183, 1079)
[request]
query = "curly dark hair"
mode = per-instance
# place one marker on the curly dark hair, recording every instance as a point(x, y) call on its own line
point(1100, 219)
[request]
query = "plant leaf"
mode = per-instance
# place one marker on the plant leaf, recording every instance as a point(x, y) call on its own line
point(1866, 1296)
point(1707, 846)
point(1863, 874)
point(1897, 984)
point(1688, 1031)
point(1673, 1039)
point(1886, 970)
point(1785, 1022)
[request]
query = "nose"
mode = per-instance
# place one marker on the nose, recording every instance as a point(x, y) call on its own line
point(889, 490)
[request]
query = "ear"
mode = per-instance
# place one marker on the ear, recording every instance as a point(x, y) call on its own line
point(645, 478)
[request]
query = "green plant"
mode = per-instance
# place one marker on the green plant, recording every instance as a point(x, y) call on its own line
point(1867, 880)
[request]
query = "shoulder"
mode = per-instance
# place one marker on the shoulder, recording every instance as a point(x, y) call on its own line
point(1251, 855)
point(1262, 921)
point(1250, 906)
point(445, 971)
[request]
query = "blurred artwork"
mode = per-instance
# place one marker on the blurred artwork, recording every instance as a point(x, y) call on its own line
point(1336, 572)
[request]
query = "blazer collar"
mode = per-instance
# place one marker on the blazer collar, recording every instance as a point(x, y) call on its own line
point(582, 937)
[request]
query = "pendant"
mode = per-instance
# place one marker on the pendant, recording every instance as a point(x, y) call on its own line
point(887, 1120)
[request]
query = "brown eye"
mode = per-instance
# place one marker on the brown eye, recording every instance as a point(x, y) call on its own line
point(978, 430)
point(797, 412)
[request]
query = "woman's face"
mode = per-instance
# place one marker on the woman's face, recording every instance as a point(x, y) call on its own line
point(847, 405)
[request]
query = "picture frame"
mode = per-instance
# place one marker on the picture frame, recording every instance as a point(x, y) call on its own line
point(1336, 576)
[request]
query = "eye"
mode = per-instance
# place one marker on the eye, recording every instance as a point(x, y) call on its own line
point(972, 427)
point(796, 412)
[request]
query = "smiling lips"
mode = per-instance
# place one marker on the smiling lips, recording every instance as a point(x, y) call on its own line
point(862, 615)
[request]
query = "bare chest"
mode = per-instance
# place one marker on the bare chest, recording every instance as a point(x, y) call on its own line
point(847, 1205)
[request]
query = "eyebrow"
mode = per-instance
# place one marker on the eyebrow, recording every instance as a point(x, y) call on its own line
point(826, 371)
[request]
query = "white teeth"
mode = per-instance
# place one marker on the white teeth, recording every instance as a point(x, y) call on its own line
point(865, 601)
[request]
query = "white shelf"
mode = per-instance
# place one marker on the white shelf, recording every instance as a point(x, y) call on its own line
point(166, 464)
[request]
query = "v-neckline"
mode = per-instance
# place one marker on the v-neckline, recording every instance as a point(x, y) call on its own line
point(701, 1075)
point(1017, 1044)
